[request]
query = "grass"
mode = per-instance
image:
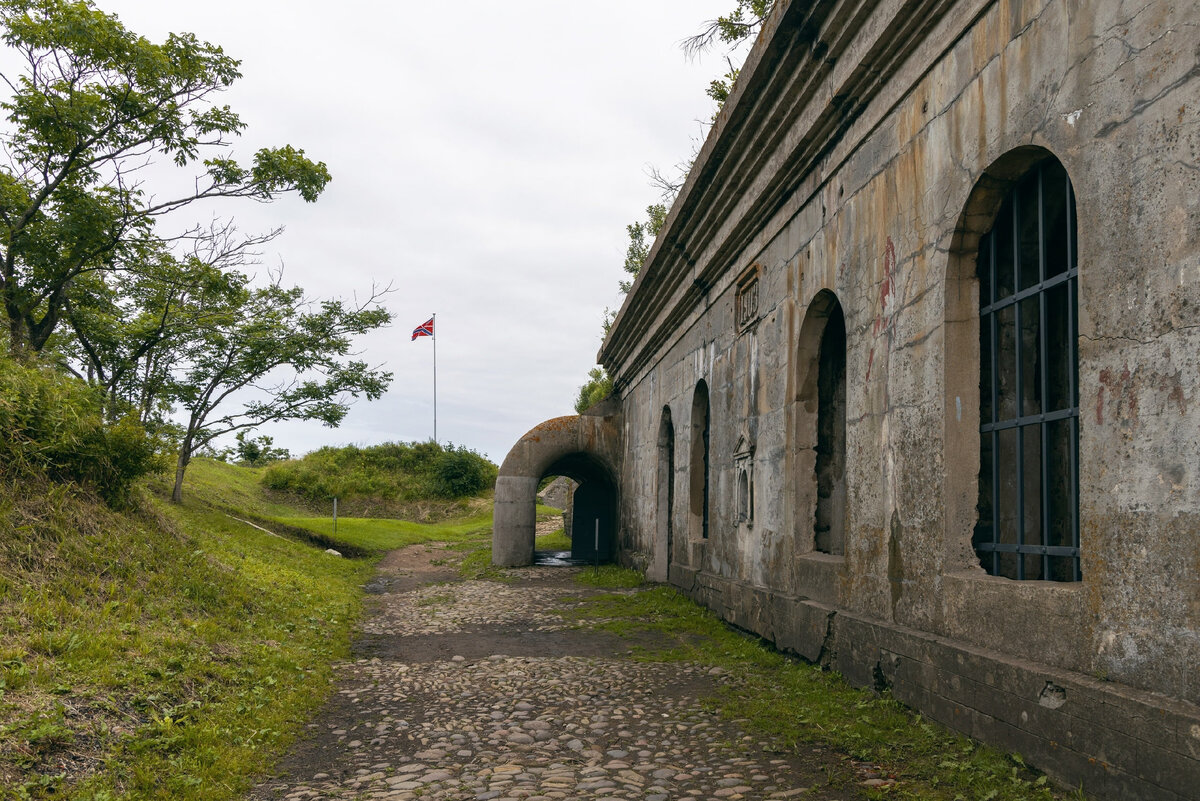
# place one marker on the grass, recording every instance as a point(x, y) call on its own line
point(610, 577)
point(381, 535)
point(166, 654)
point(555, 541)
point(795, 705)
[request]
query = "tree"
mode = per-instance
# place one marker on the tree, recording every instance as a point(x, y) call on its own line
point(641, 238)
point(744, 21)
point(91, 105)
point(240, 353)
point(598, 387)
point(125, 331)
point(732, 29)
point(257, 451)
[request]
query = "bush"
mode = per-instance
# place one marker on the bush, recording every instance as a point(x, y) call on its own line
point(54, 423)
point(394, 471)
point(461, 472)
point(598, 387)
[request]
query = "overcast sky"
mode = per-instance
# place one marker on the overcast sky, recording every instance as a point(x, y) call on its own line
point(486, 158)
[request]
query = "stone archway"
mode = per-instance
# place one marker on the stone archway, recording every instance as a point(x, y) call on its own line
point(583, 447)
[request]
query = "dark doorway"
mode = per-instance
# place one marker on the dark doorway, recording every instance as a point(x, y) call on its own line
point(593, 523)
point(591, 517)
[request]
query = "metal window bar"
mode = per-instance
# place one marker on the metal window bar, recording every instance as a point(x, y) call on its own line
point(990, 552)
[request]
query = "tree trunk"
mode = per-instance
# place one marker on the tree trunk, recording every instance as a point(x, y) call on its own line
point(185, 456)
point(18, 340)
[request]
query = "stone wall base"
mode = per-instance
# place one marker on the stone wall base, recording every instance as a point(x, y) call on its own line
point(1115, 741)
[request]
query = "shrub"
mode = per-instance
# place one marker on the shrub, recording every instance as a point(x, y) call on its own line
point(54, 423)
point(459, 472)
point(598, 387)
point(393, 471)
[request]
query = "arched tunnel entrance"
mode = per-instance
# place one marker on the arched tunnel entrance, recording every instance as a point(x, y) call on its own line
point(581, 447)
point(592, 519)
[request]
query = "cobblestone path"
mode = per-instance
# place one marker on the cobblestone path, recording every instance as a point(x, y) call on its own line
point(481, 690)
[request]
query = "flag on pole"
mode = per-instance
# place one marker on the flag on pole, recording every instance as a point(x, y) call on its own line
point(425, 329)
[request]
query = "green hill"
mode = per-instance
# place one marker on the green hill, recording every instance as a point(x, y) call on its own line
point(415, 481)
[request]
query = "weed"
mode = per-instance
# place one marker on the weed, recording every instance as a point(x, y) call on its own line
point(793, 704)
point(165, 654)
point(555, 541)
point(610, 577)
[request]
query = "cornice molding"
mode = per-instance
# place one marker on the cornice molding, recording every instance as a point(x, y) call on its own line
point(798, 97)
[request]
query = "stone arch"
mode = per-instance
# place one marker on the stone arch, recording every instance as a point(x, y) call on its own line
point(820, 490)
point(699, 468)
point(585, 448)
point(664, 548)
point(961, 438)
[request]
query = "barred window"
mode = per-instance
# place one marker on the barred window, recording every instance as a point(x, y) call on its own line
point(1028, 510)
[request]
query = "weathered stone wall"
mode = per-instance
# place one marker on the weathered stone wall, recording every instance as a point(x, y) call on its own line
point(876, 185)
point(557, 494)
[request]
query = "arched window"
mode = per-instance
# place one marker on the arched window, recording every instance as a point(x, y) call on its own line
point(666, 486)
point(698, 464)
point(1028, 508)
point(829, 533)
point(821, 437)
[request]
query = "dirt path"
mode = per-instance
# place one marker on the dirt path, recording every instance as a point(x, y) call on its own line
point(481, 690)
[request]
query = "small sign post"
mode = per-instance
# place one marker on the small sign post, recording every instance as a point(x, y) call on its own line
point(335, 514)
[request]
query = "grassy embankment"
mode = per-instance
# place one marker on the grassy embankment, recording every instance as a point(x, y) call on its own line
point(793, 706)
point(171, 652)
point(175, 652)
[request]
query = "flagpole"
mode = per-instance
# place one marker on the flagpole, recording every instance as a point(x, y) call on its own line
point(435, 439)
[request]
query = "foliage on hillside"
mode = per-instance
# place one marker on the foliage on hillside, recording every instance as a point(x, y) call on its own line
point(164, 324)
point(162, 654)
point(396, 471)
point(54, 424)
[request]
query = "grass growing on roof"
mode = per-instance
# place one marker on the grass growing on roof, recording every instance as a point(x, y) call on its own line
point(794, 704)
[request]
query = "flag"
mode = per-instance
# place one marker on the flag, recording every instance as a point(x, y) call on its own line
point(425, 329)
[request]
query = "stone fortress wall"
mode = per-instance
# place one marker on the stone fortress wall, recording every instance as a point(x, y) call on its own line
point(803, 415)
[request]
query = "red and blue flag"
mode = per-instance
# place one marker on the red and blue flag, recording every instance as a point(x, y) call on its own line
point(425, 329)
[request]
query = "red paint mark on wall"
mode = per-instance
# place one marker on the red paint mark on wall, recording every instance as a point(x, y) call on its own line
point(1173, 386)
point(888, 287)
point(1124, 396)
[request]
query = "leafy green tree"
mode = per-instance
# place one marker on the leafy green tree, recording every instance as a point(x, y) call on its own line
point(744, 21)
point(598, 387)
point(238, 356)
point(257, 451)
point(641, 239)
point(127, 331)
point(92, 103)
point(53, 423)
